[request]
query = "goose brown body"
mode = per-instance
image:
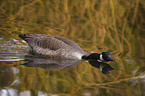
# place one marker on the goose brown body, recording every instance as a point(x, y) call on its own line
point(52, 46)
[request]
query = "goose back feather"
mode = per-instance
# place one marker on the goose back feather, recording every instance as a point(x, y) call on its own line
point(52, 46)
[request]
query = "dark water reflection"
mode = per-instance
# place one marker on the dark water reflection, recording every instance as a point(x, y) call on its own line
point(104, 67)
point(50, 64)
point(58, 64)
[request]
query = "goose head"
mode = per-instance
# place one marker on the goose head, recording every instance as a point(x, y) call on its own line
point(103, 57)
point(106, 56)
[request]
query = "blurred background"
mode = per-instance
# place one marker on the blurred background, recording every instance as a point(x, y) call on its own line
point(116, 26)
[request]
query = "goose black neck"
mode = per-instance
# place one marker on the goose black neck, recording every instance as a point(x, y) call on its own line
point(92, 56)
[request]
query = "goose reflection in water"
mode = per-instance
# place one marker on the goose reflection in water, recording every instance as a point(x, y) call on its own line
point(104, 67)
point(51, 64)
point(58, 64)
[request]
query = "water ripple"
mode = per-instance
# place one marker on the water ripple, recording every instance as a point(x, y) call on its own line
point(12, 49)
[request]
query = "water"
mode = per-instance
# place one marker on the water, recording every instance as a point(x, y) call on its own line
point(21, 73)
point(97, 26)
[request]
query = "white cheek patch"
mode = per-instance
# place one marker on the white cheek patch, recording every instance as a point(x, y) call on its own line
point(101, 57)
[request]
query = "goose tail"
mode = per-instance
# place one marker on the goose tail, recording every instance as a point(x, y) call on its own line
point(23, 36)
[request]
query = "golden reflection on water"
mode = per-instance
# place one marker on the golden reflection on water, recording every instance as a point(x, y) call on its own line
point(106, 25)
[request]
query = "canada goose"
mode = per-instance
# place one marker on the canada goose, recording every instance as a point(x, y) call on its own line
point(59, 47)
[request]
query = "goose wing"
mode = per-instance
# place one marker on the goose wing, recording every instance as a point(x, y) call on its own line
point(49, 45)
point(46, 41)
point(68, 42)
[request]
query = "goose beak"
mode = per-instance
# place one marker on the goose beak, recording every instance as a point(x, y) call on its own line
point(110, 58)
